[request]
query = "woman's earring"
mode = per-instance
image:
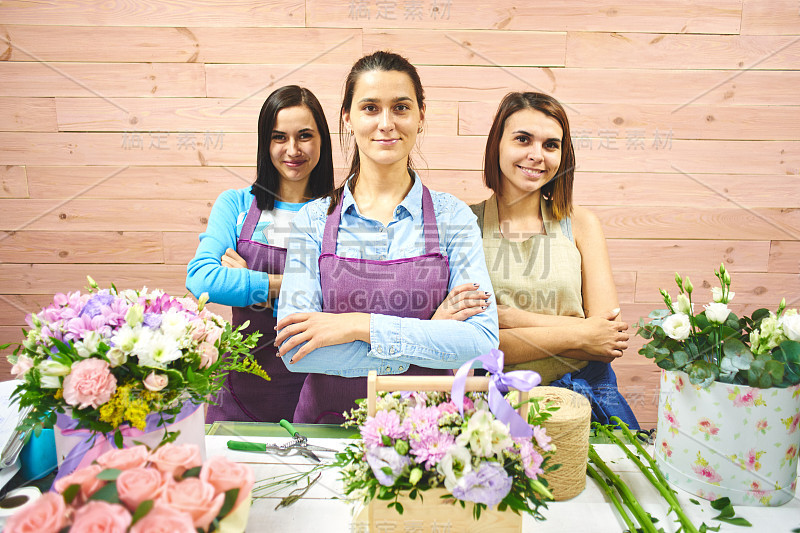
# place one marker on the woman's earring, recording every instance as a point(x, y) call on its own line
point(419, 129)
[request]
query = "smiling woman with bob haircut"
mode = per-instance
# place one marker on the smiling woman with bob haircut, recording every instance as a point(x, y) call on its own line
point(547, 257)
point(369, 266)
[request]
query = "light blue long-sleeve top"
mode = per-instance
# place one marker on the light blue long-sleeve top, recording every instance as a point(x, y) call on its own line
point(237, 287)
point(395, 342)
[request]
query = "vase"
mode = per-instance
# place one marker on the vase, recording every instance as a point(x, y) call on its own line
point(77, 448)
point(432, 513)
point(728, 440)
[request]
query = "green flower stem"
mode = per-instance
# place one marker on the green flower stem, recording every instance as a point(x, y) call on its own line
point(652, 474)
point(611, 496)
point(627, 496)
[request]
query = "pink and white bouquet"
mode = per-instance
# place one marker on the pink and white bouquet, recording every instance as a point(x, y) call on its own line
point(420, 441)
point(111, 358)
point(135, 490)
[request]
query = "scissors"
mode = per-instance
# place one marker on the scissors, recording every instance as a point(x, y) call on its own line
point(299, 444)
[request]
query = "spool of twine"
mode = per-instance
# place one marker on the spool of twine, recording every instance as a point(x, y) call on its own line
point(569, 429)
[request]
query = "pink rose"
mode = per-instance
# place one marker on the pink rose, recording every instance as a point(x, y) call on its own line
point(198, 328)
point(139, 484)
point(175, 459)
point(164, 519)
point(225, 475)
point(208, 354)
point(124, 458)
point(44, 515)
point(155, 382)
point(101, 517)
point(196, 497)
point(89, 384)
point(86, 478)
point(21, 367)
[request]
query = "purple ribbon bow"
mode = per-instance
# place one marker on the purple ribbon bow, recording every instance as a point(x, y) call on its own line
point(499, 384)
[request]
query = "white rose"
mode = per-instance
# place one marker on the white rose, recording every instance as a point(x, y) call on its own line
point(116, 357)
point(677, 326)
point(155, 382)
point(717, 312)
point(716, 295)
point(53, 368)
point(791, 326)
point(683, 305)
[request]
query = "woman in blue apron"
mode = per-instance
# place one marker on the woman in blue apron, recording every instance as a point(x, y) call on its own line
point(557, 301)
point(368, 267)
point(241, 256)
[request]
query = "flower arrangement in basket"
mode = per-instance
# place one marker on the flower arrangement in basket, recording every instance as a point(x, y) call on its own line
point(427, 440)
point(114, 359)
point(713, 345)
point(134, 490)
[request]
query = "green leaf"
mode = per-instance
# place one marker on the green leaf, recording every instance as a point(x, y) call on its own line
point(705, 528)
point(702, 373)
point(759, 315)
point(118, 439)
point(694, 501)
point(142, 510)
point(386, 470)
point(680, 358)
point(775, 371)
point(399, 507)
point(791, 351)
point(720, 503)
point(737, 521)
point(107, 493)
point(192, 472)
point(109, 474)
point(702, 320)
point(230, 501)
point(70, 492)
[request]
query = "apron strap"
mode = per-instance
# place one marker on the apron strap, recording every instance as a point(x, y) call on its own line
point(250, 221)
point(429, 226)
point(332, 229)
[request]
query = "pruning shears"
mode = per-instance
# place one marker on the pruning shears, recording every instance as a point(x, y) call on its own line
point(299, 444)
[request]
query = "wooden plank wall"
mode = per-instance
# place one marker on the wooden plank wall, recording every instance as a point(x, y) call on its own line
point(120, 123)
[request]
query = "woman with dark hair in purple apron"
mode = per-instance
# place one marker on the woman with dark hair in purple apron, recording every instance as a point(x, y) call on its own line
point(241, 256)
point(369, 267)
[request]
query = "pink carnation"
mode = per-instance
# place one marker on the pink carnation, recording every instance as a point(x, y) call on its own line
point(89, 384)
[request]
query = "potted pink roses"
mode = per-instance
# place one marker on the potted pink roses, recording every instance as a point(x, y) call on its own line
point(134, 490)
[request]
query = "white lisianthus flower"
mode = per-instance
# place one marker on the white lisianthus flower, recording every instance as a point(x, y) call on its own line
point(478, 434)
point(716, 295)
point(126, 337)
point(89, 344)
point(717, 312)
point(135, 315)
point(50, 382)
point(790, 322)
point(501, 438)
point(682, 305)
point(455, 463)
point(677, 326)
point(53, 368)
point(116, 357)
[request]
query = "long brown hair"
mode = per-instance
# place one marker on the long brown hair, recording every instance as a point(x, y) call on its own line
point(558, 191)
point(380, 61)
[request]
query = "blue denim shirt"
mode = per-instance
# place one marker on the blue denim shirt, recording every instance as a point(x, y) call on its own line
point(395, 342)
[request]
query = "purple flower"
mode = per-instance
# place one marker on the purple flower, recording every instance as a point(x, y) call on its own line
point(381, 457)
point(489, 484)
point(431, 447)
point(152, 320)
point(542, 439)
point(530, 458)
point(96, 303)
point(383, 423)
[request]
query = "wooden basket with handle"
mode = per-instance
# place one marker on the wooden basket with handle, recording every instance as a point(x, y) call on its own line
point(431, 512)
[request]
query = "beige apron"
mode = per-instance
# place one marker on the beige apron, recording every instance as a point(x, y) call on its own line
point(541, 275)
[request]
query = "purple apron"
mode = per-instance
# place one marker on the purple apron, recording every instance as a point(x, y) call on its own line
point(412, 287)
point(248, 398)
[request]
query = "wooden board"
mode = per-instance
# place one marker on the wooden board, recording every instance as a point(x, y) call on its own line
point(179, 44)
point(637, 125)
point(776, 17)
point(81, 247)
point(738, 256)
point(432, 47)
point(784, 256)
point(15, 307)
point(764, 288)
point(636, 50)
point(102, 80)
point(671, 16)
point(50, 279)
point(13, 182)
point(155, 13)
point(27, 114)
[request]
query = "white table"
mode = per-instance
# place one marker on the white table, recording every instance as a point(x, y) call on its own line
point(318, 511)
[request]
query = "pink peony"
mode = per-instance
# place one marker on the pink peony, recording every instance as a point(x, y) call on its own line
point(224, 475)
point(44, 515)
point(175, 459)
point(89, 384)
point(196, 497)
point(86, 478)
point(164, 519)
point(139, 484)
point(155, 382)
point(124, 458)
point(208, 354)
point(101, 517)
